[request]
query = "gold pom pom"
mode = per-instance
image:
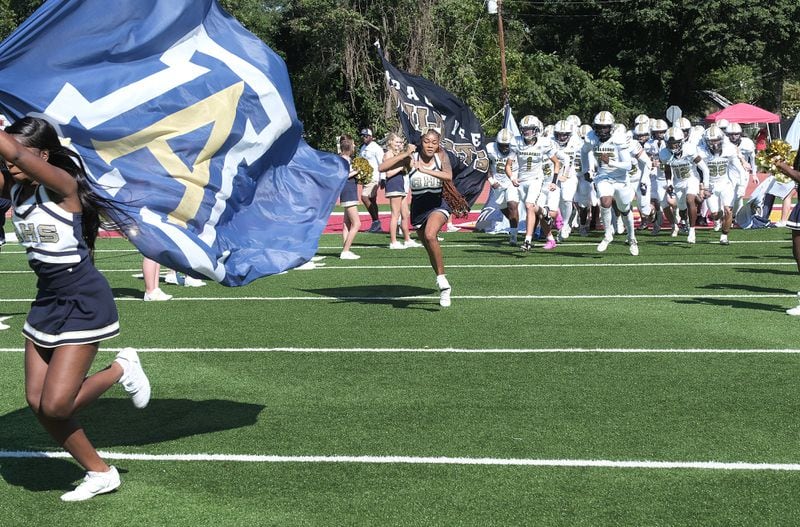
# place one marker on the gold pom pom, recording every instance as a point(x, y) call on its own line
point(364, 169)
point(777, 150)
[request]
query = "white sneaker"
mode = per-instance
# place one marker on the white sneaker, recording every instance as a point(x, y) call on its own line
point(603, 245)
point(566, 230)
point(634, 248)
point(188, 281)
point(94, 483)
point(452, 228)
point(412, 243)
point(723, 240)
point(780, 224)
point(620, 226)
point(349, 255)
point(156, 295)
point(675, 230)
point(691, 237)
point(3, 325)
point(308, 266)
point(397, 245)
point(717, 225)
point(375, 227)
point(444, 296)
point(133, 379)
point(172, 278)
point(795, 311)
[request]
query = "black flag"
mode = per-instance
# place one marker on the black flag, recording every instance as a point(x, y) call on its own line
point(422, 105)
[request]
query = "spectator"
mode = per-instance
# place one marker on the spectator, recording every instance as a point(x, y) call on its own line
point(372, 152)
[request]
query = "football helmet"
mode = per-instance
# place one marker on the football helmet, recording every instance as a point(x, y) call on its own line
point(641, 132)
point(503, 140)
point(713, 137)
point(734, 133)
point(684, 124)
point(675, 138)
point(562, 131)
point(530, 126)
point(573, 120)
point(548, 130)
point(658, 129)
point(602, 124)
point(641, 119)
point(583, 130)
point(723, 124)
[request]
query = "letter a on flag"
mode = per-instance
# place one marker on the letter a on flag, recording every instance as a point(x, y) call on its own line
point(184, 118)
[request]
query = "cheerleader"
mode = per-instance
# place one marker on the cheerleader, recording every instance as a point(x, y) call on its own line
point(428, 170)
point(56, 218)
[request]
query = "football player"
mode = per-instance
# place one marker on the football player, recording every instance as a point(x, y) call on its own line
point(502, 169)
point(724, 169)
point(607, 157)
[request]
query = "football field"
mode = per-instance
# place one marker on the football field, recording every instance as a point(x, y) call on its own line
point(560, 388)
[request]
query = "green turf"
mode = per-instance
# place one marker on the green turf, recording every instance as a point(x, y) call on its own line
point(654, 406)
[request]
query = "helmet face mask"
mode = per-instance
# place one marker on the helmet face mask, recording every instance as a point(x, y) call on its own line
point(530, 132)
point(603, 131)
point(675, 139)
point(734, 133)
point(503, 141)
point(713, 137)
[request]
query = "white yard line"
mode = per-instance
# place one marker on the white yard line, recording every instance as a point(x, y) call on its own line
point(283, 349)
point(432, 297)
point(424, 460)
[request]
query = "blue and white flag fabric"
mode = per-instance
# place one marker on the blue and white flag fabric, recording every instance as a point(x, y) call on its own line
point(187, 120)
point(421, 105)
point(510, 124)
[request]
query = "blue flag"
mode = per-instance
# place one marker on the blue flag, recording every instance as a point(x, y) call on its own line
point(187, 120)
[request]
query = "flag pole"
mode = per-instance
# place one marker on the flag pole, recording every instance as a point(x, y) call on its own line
point(502, 40)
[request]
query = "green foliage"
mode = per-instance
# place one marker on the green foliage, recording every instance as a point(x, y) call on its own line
point(562, 56)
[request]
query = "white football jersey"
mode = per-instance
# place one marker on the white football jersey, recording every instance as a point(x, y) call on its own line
point(570, 155)
point(653, 149)
point(618, 152)
point(533, 160)
point(724, 167)
point(498, 161)
point(681, 166)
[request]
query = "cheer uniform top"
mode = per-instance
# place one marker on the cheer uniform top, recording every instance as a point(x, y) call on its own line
point(395, 185)
point(349, 195)
point(426, 193)
point(74, 303)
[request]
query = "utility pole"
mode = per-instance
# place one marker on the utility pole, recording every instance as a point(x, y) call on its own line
point(496, 6)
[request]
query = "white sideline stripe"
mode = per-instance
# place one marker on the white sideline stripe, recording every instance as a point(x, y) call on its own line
point(502, 266)
point(643, 241)
point(412, 460)
point(446, 350)
point(431, 297)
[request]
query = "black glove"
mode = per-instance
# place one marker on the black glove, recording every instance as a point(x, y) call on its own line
point(670, 190)
point(588, 177)
point(643, 188)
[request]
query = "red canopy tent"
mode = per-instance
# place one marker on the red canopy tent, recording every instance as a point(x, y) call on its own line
point(744, 113)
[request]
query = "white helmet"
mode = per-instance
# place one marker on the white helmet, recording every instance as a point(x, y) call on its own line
point(684, 124)
point(734, 133)
point(583, 130)
point(675, 138)
point(548, 130)
point(603, 119)
point(619, 128)
point(574, 120)
point(641, 132)
point(562, 131)
point(723, 124)
point(602, 124)
point(659, 126)
point(641, 119)
point(531, 122)
point(713, 137)
point(504, 137)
